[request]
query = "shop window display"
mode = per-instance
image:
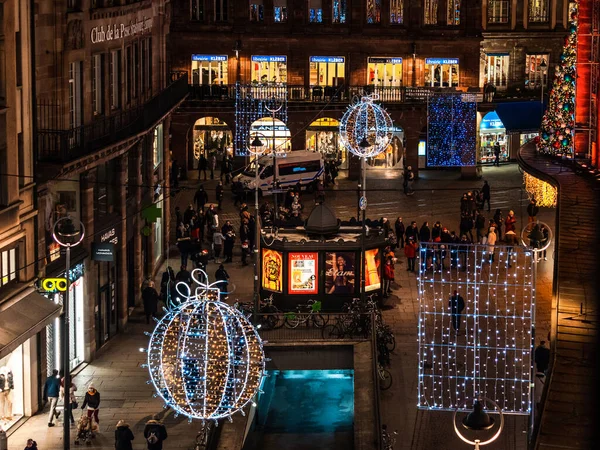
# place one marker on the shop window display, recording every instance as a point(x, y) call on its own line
point(11, 388)
point(492, 134)
point(209, 69)
point(269, 69)
point(323, 136)
point(211, 136)
point(496, 70)
point(441, 72)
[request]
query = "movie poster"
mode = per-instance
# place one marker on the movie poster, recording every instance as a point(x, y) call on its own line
point(372, 272)
point(340, 272)
point(303, 273)
point(272, 270)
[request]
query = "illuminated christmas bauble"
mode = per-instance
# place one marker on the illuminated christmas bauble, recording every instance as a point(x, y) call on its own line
point(366, 122)
point(556, 144)
point(565, 142)
point(206, 360)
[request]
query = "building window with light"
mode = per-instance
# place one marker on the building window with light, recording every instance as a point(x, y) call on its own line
point(221, 10)
point(257, 11)
point(8, 266)
point(397, 12)
point(536, 71)
point(280, 14)
point(539, 11)
point(496, 69)
point(453, 17)
point(196, 10)
point(315, 11)
point(373, 11)
point(431, 11)
point(498, 11)
point(338, 11)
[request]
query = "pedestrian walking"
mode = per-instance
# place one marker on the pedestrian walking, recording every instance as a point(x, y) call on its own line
point(70, 398)
point(167, 284)
point(541, 356)
point(486, 194)
point(491, 242)
point(388, 275)
point(410, 251)
point(245, 252)
point(498, 222)
point(92, 402)
point(409, 178)
point(155, 433)
point(217, 245)
point(51, 393)
point(532, 211)
point(457, 305)
point(200, 198)
point(184, 276)
point(412, 232)
point(123, 436)
point(544, 242)
point(510, 224)
point(202, 166)
point(219, 194)
point(497, 154)
point(479, 225)
point(400, 229)
point(510, 238)
point(222, 276)
point(425, 232)
point(150, 301)
point(31, 445)
point(229, 234)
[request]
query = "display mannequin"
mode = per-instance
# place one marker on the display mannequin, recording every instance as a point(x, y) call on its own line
point(6, 387)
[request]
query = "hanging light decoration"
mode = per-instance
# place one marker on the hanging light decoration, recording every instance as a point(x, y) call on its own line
point(544, 193)
point(366, 122)
point(206, 360)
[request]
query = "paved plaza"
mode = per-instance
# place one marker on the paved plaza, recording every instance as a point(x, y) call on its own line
point(122, 382)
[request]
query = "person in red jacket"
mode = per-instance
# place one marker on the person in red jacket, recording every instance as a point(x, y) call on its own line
point(510, 222)
point(410, 251)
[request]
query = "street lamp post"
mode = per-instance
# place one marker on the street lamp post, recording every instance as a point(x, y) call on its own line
point(65, 235)
point(273, 111)
point(543, 66)
point(257, 147)
point(362, 204)
point(479, 420)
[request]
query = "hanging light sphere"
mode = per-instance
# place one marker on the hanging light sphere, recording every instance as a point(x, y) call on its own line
point(206, 360)
point(366, 128)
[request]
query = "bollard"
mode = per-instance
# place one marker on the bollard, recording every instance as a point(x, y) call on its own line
point(3, 440)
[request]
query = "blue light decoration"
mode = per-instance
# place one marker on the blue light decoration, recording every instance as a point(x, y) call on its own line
point(206, 360)
point(491, 354)
point(252, 102)
point(365, 119)
point(451, 130)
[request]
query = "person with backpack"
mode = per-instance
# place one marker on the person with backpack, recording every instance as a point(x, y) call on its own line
point(155, 433)
point(123, 436)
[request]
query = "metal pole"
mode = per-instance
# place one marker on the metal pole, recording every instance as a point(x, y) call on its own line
point(256, 246)
point(274, 167)
point(66, 362)
point(364, 227)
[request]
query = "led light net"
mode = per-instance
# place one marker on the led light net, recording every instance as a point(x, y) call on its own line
point(491, 355)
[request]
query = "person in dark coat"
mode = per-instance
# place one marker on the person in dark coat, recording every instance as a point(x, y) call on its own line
point(400, 229)
point(31, 445)
point(92, 401)
point(150, 300)
point(499, 221)
point(485, 191)
point(466, 225)
point(222, 275)
point(229, 235)
point(456, 304)
point(497, 154)
point(202, 166)
point(425, 233)
point(175, 175)
point(155, 433)
point(532, 211)
point(200, 198)
point(184, 275)
point(541, 356)
point(412, 232)
point(51, 392)
point(123, 436)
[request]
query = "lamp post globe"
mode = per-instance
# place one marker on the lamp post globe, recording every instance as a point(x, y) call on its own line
point(479, 420)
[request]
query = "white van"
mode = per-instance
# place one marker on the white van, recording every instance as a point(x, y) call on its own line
point(300, 166)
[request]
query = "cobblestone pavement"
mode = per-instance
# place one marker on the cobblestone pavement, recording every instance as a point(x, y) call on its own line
point(121, 381)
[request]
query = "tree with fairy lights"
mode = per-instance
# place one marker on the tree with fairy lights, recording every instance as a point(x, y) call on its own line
point(556, 134)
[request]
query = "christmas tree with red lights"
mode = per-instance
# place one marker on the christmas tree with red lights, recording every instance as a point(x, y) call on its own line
point(558, 123)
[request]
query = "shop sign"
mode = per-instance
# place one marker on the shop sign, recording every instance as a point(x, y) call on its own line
point(378, 60)
point(339, 272)
point(269, 128)
point(491, 121)
point(120, 30)
point(209, 58)
point(261, 58)
point(103, 252)
point(442, 61)
point(272, 270)
point(327, 59)
point(372, 265)
point(54, 284)
point(302, 273)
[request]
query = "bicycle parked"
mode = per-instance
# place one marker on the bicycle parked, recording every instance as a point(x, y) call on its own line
point(269, 315)
point(306, 315)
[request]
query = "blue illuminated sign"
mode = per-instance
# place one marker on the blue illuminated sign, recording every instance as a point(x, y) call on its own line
point(209, 58)
point(299, 169)
point(327, 59)
point(256, 58)
point(443, 61)
point(491, 121)
point(377, 60)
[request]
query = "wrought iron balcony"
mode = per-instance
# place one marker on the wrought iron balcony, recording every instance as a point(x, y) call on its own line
point(60, 146)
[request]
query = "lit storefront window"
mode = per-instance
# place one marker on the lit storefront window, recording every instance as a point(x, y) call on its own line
point(269, 69)
point(536, 70)
point(211, 137)
point(209, 69)
point(383, 71)
point(441, 72)
point(327, 70)
point(11, 386)
point(492, 133)
point(323, 136)
point(268, 131)
point(496, 69)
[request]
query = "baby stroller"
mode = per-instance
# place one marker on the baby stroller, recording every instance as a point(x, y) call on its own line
point(86, 430)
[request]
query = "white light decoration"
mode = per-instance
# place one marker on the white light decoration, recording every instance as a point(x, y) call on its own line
point(206, 360)
point(491, 356)
point(366, 120)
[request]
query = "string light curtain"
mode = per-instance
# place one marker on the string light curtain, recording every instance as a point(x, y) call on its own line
point(491, 355)
point(558, 123)
point(431, 12)
point(453, 16)
point(451, 130)
point(396, 12)
point(205, 358)
point(338, 8)
point(545, 194)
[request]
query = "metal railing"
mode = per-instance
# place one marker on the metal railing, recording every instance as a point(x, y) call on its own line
point(59, 145)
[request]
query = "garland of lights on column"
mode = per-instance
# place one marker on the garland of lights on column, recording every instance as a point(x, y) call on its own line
point(451, 130)
point(366, 120)
point(491, 355)
point(558, 123)
point(206, 360)
point(544, 194)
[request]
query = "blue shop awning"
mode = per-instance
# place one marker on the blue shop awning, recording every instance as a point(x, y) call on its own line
point(520, 116)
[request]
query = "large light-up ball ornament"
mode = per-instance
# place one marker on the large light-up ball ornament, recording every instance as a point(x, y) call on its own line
point(366, 122)
point(206, 360)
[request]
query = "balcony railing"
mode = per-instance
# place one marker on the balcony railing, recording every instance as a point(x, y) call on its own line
point(55, 145)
